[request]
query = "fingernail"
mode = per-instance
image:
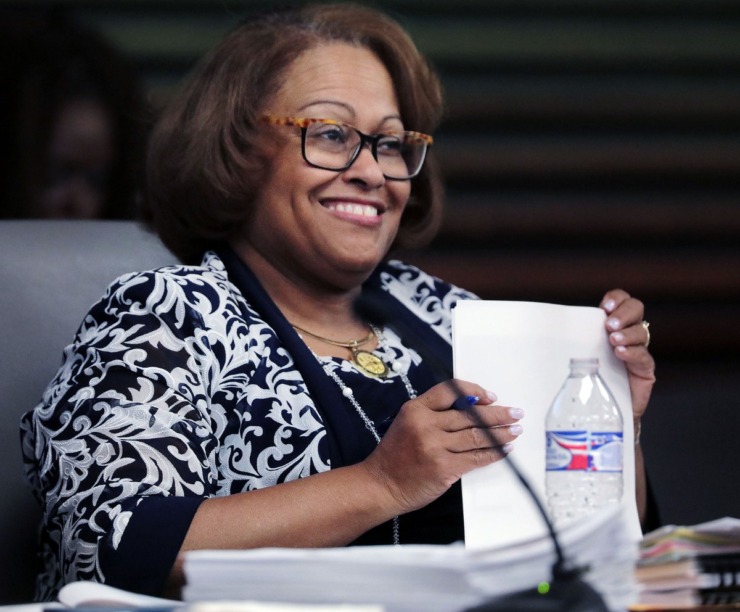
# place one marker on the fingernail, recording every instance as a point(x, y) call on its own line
point(618, 337)
point(491, 396)
point(613, 323)
point(609, 305)
point(621, 349)
point(507, 448)
point(516, 413)
point(516, 430)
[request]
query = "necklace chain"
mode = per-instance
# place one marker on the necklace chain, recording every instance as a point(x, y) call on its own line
point(352, 344)
point(367, 361)
point(349, 394)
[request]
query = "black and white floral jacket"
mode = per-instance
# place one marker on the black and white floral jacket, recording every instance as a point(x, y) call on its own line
point(185, 383)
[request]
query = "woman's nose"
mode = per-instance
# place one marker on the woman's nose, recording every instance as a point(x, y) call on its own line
point(366, 168)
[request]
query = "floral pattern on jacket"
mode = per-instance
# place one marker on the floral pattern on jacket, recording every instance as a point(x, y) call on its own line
point(175, 386)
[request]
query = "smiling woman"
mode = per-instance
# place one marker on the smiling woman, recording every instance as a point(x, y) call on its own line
point(206, 156)
point(334, 225)
point(240, 400)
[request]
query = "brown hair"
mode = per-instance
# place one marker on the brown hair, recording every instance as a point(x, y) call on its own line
point(204, 166)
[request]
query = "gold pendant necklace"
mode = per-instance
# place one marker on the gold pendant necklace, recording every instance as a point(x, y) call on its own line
point(364, 360)
point(370, 363)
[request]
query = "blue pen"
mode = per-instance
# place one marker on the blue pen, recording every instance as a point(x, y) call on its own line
point(463, 402)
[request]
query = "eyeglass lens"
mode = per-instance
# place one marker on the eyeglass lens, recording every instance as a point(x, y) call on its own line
point(335, 147)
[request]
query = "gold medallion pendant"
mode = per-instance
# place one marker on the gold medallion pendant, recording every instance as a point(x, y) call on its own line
point(365, 361)
point(369, 363)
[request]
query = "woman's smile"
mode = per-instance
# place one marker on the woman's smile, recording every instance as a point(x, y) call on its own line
point(360, 211)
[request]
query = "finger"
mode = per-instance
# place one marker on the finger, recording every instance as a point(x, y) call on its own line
point(464, 402)
point(612, 299)
point(464, 462)
point(480, 416)
point(484, 456)
point(455, 393)
point(638, 359)
point(616, 301)
point(634, 335)
point(629, 312)
point(498, 439)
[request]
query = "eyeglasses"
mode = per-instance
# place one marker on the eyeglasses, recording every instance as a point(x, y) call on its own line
point(332, 145)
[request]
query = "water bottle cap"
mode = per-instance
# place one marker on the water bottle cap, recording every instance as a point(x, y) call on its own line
point(584, 361)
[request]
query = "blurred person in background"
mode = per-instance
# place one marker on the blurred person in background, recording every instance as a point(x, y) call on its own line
point(74, 121)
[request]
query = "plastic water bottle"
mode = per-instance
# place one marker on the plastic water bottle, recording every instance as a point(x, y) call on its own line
point(584, 452)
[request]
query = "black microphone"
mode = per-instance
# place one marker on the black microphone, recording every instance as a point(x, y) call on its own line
point(567, 591)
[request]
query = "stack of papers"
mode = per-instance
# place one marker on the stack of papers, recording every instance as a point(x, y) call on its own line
point(416, 577)
point(601, 544)
point(397, 578)
point(690, 566)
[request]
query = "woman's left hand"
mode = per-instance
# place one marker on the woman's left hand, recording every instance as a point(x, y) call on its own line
point(630, 336)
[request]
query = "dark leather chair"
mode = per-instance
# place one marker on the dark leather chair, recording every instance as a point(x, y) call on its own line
point(51, 272)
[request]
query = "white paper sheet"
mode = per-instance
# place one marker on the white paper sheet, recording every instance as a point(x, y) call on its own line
point(521, 352)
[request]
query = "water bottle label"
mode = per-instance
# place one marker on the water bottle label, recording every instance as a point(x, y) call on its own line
point(606, 451)
point(577, 450)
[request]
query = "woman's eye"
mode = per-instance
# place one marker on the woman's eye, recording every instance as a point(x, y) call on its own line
point(330, 133)
point(389, 145)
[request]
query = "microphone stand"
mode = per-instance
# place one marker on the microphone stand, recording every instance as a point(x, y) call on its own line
point(567, 591)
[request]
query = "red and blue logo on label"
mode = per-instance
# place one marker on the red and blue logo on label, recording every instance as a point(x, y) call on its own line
point(584, 451)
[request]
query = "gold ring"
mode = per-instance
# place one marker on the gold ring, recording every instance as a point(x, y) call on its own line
point(646, 327)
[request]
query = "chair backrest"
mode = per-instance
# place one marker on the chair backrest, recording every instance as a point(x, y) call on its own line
point(51, 272)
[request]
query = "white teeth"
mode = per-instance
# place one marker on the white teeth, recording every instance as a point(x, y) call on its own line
point(357, 209)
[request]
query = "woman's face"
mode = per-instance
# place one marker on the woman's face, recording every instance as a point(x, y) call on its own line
point(321, 226)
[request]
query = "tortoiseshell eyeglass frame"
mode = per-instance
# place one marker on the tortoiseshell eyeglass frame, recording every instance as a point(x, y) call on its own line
point(304, 123)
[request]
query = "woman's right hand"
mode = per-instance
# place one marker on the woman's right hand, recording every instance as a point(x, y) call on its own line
point(430, 444)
